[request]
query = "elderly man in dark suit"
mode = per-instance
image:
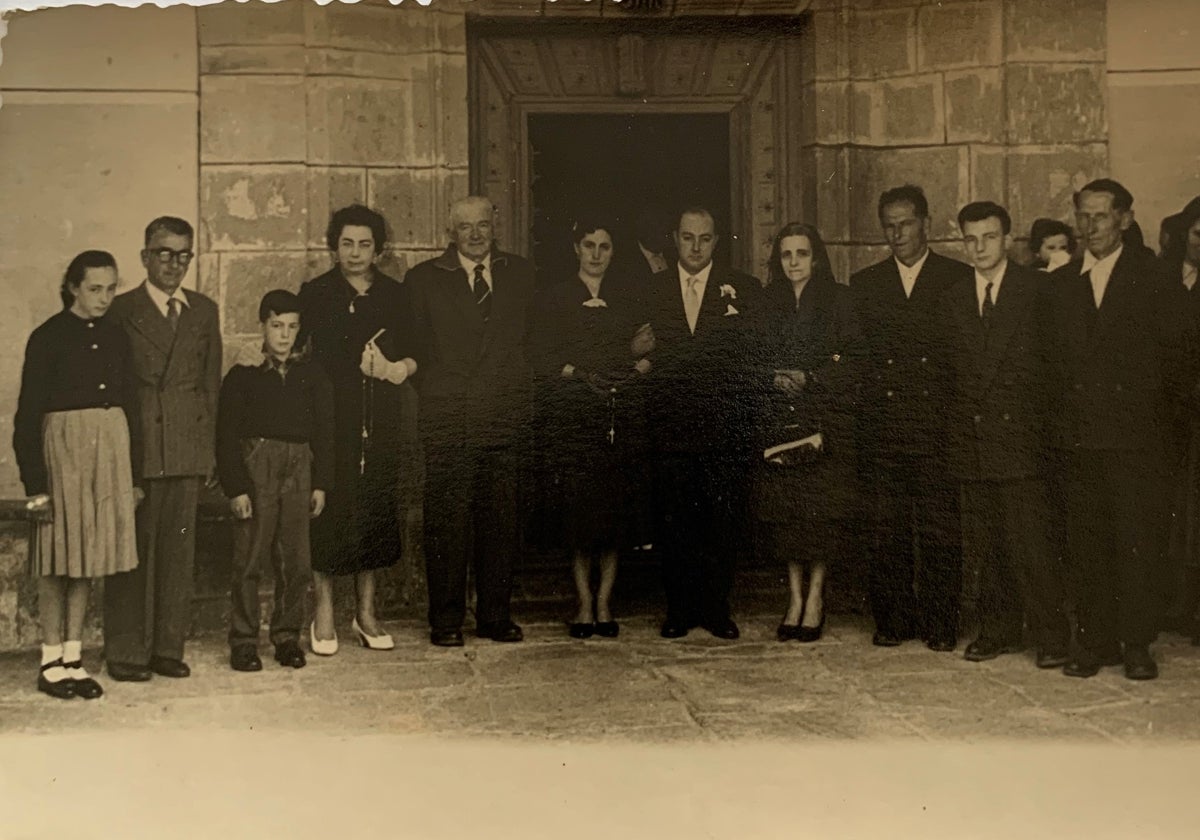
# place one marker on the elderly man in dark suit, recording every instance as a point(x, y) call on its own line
point(469, 313)
point(996, 328)
point(1124, 353)
point(902, 430)
point(700, 417)
point(175, 341)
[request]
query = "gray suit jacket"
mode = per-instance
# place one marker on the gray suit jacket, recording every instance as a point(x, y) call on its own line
point(176, 380)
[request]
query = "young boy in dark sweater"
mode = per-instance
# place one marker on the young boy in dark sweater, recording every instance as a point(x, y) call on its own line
point(275, 463)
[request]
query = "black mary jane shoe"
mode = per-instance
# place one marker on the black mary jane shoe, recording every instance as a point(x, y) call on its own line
point(607, 629)
point(581, 629)
point(62, 689)
point(811, 634)
point(87, 688)
point(787, 632)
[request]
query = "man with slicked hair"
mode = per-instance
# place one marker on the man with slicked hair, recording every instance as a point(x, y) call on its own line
point(468, 317)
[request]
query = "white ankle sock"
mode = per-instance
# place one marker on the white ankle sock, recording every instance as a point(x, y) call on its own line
point(53, 653)
point(73, 652)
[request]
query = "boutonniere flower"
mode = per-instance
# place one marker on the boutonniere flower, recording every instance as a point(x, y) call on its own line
point(728, 291)
point(595, 303)
point(729, 310)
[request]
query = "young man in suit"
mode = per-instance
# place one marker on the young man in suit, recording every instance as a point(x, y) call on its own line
point(1124, 352)
point(996, 329)
point(469, 311)
point(175, 339)
point(699, 417)
point(902, 430)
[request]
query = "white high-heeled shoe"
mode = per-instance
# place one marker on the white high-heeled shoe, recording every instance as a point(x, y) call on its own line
point(381, 642)
point(322, 647)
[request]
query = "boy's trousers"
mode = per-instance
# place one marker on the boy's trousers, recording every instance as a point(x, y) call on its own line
point(276, 532)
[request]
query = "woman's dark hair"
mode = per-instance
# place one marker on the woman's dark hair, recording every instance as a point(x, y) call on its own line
point(590, 224)
point(356, 215)
point(1043, 229)
point(1176, 248)
point(822, 270)
point(78, 269)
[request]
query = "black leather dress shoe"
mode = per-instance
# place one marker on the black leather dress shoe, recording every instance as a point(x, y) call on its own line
point(244, 658)
point(1087, 664)
point(1139, 664)
point(87, 688)
point(500, 631)
point(1052, 657)
point(166, 667)
point(125, 672)
point(723, 628)
point(787, 632)
point(673, 629)
point(983, 649)
point(289, 655)
point(941, 643)
point(581, 629)
point(59, 689)
point(607, 629)
point(886, 638)
point(446, 638)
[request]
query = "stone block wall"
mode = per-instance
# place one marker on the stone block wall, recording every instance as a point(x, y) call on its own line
point(971, 99)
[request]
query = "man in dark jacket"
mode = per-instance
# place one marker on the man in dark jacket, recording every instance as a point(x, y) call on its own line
point(996, 327)
point(1124, 352)
point(469, 310)
point(902, 427)
point(700, 419)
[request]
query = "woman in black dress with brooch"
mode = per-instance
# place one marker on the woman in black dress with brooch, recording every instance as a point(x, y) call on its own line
point(584, 354)
point(811, 343)
point(352, 315)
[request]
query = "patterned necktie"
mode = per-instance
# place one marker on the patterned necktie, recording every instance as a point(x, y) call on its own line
point(483, 293)
point(173, 313)
point(691, 302)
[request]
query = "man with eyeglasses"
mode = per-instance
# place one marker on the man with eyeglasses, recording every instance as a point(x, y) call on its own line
point(175, 342)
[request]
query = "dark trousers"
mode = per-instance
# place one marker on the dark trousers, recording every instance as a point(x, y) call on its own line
point(147, 611)
point(913, 507)
point(471, 516)
point(1009, 523)
point(1116, 534)
point(701, 505)
point(277, 530)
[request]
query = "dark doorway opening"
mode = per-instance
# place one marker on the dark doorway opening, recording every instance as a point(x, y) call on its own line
point(614, 167)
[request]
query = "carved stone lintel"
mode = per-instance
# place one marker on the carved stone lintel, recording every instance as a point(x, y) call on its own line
point(631, 65)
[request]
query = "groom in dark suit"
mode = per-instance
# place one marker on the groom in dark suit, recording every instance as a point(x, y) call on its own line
point(997, 333)
point(700, 419)
point(469, 311)
point(1124, 353)
point(175, 343)
point(912, 500)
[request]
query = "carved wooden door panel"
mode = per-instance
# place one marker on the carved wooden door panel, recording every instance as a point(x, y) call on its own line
point(751, 77)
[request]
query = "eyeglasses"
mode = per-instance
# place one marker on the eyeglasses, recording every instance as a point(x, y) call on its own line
point(168, 255)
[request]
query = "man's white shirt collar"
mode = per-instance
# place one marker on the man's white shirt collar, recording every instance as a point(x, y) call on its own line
point(469, 264)
point(160, 297)
point(908, 274)
point(981, 283)
point(1101, 271)
point(701, 276)
point(1188, 275)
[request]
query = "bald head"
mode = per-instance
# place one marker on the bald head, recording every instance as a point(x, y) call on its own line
point(471, 226)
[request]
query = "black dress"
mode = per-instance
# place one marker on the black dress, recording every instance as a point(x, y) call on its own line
point(817, 334)
point(591, 431)
point(359, 529)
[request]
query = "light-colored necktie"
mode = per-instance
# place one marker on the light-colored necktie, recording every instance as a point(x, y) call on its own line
point(691, 302)
point(1097, 288)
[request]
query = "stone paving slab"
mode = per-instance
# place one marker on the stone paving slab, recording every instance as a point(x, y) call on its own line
point(637, 688)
